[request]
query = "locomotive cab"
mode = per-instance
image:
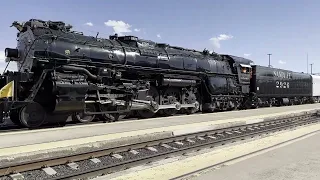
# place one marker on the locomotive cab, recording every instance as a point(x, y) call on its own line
point(245, 72)
point(244, 75)
point(245, 69)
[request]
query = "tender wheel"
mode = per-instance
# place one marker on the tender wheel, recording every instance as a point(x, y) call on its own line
point(32, 115)
point(85, 118)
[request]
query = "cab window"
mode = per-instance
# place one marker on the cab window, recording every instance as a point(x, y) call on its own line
point(245, 70)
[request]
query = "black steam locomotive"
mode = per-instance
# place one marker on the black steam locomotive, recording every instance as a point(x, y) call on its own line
point(64, 73)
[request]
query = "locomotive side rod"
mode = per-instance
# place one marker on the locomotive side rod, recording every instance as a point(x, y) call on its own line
point(142, 105)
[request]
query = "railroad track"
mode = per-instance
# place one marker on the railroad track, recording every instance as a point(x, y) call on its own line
point(105, 161)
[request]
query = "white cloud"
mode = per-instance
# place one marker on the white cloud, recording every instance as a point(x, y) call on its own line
point(246, 55)
point(12, 66)
point(281, 62)
point(88, 24)
point(119, 27)
point(216, 40)
point(137, 30)
point(159, 36)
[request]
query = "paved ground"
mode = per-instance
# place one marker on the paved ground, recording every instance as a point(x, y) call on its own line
point(297, 161)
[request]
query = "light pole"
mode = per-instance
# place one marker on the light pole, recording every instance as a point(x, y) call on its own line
point(311, 68)
point(269, 59)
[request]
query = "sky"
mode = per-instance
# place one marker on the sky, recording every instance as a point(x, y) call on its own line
point(289, 30)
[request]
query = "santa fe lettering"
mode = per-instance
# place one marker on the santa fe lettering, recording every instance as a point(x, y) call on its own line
point(282, 75)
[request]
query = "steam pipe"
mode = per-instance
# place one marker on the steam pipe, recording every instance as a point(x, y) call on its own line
point(81, 70)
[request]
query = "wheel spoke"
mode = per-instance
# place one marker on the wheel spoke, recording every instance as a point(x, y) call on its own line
point(85, 118)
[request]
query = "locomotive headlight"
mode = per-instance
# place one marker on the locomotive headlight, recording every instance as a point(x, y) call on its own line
point(11, 53)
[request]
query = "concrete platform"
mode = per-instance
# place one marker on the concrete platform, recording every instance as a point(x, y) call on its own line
point(15, 146)
point(232, 162)
point(297, 161)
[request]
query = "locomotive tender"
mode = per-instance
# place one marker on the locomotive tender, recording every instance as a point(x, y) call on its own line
point(283, 87)
point(64, 73)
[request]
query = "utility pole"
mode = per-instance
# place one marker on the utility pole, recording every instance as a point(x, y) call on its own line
point(311, 68)
point(269, 59)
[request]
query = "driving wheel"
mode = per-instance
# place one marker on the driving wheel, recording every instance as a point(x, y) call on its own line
point(32, 115)
point(85, 118)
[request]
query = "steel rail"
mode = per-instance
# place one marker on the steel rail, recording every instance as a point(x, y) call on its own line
point(217, 136)
point(147, 159)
